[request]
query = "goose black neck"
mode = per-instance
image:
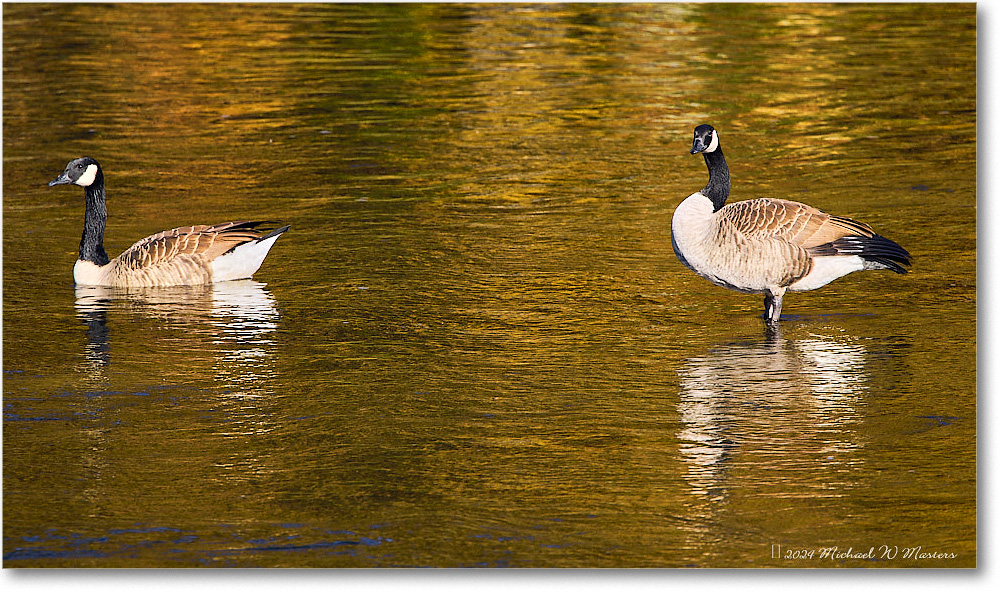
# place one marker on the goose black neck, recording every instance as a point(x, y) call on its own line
point(718, 186)
point(96, 216)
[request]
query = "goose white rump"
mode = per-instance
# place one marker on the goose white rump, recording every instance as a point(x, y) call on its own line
point(243, 260)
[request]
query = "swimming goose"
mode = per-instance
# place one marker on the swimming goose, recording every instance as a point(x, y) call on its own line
point(769, 245)
point(183, 256)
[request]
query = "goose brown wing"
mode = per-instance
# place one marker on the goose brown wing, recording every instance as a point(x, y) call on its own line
point(204, 241)
point(796, 223)
point(815, 232)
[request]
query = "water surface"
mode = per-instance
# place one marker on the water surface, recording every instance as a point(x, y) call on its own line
point(475, 346)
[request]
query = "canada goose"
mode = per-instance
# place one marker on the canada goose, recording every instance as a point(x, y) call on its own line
point(769, 245)
point(183, 256)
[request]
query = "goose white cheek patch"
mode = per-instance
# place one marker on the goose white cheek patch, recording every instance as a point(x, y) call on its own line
point(88, 176)
point(715, 142)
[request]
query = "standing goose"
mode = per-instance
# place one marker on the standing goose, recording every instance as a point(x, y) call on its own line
point(183, 256)
point(769, 245)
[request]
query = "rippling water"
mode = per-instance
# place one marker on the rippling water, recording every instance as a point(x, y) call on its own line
point(475, 346)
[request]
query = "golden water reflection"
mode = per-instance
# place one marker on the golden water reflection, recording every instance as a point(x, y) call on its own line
point(232, 322)
point(759, 410)
point(222, 334)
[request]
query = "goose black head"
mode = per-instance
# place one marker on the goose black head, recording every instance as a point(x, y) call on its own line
point(82, 171)
point(706, 139)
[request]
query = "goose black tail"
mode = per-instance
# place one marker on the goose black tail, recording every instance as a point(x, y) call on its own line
point(275, 232)
point(877, 251)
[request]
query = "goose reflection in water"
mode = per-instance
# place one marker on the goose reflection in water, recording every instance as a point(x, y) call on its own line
point(235, 317)
point(773, 411)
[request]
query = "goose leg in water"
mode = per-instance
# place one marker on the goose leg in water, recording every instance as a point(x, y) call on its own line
point(772, 305)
